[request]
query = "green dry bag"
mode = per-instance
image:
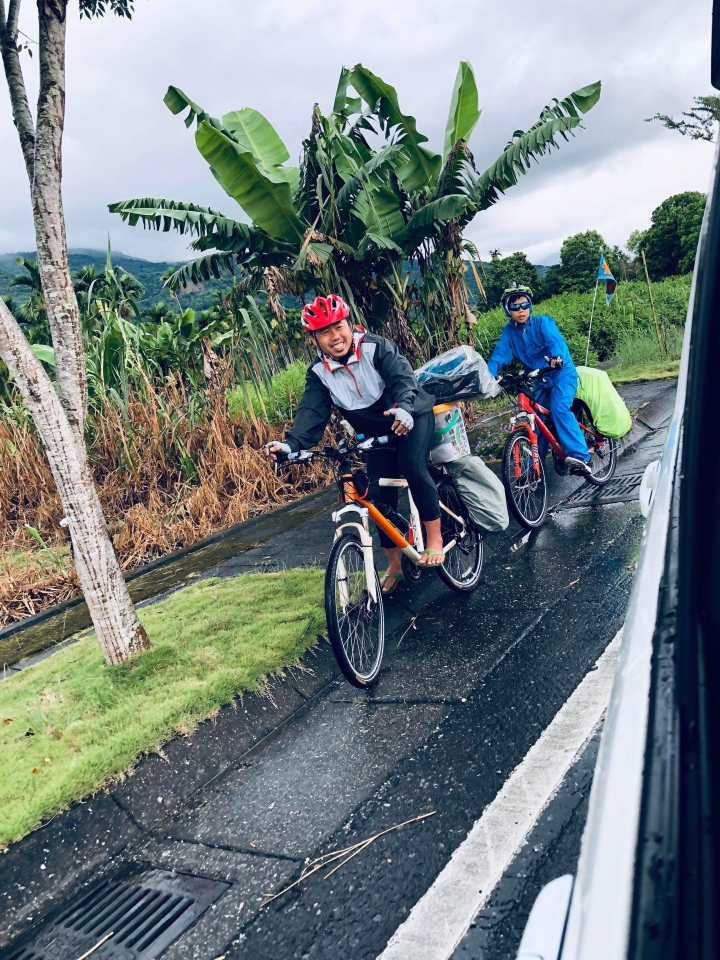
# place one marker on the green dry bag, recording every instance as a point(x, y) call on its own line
point(609, 413)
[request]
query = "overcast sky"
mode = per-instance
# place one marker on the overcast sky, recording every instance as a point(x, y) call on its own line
point(281, 56)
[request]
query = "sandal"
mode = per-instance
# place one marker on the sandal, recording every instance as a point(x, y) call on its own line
point(397, 577)
point(431, 553)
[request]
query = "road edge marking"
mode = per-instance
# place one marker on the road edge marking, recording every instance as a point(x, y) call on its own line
point(441, 918)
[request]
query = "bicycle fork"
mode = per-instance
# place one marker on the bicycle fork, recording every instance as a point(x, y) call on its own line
point(363, 530)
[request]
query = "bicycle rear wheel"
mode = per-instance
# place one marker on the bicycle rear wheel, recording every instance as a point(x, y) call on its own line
point(462, 567)
point(356, 622)
point(604, 454)
point(525, 487)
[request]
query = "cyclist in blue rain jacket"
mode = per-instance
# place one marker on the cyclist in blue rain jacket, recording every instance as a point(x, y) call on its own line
point(536, 342)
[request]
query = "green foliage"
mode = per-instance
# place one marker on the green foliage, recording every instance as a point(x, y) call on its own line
point(640, 346)
point(276, 402)
point(627, 316)
point(98, 8)
point(355, 215)
point(208, 643)
point(421, 166)
point(507, 271)
point(464, 112)
point(702, 119)
point(670, 244)
point(265, 197)
point(577, 270)
point(558, 118)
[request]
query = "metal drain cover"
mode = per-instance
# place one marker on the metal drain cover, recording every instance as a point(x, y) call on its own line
point(144, 914)
point(619, 490)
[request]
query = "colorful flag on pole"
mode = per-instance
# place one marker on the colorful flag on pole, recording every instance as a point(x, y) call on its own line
point(605, 275)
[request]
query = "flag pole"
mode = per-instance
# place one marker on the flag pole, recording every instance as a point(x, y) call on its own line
point(587, 349)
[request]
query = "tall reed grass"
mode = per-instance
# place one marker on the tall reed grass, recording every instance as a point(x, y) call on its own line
point(171, 467)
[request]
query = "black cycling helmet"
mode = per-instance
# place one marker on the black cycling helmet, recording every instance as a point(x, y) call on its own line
point(515, 290)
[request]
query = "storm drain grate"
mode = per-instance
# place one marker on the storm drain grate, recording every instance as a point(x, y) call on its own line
point(619, 490)
point(144, 915)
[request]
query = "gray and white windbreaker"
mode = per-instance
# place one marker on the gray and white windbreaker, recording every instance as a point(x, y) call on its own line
point(374, 378)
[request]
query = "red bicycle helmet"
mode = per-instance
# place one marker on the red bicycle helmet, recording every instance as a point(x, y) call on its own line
point(323, 312)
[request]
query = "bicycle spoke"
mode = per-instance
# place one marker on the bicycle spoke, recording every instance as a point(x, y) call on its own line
point(359, 618)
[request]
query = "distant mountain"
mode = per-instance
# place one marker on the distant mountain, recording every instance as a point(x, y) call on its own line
point(147, 272)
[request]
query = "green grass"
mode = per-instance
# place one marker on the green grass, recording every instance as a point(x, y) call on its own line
point(642, 359)
point(14, 563)
point(90, 723)
point(275, 406)
point(651, 370)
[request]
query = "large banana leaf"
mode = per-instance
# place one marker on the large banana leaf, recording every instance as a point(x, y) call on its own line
point(201, 270)
point(366, 172)
point(264, 197)
point(559, 118)
point(345, 106)
point(378, 207)
point(423, 165)
point(184, 217)
point(426, 221)
point(464, 111)
point(176, 101)
point(254, 132)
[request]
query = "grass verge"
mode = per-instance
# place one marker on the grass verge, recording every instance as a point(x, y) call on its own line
point(71, 724)
point(651, 370)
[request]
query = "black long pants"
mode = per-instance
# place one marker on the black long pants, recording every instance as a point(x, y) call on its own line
point(409, 459)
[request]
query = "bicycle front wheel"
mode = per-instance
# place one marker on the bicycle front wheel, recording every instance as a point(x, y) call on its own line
point(462, 566)
point(525, 486)
point(604, 450)
point(356, 622)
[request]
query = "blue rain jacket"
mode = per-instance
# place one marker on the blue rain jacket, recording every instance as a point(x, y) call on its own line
point(530, 343)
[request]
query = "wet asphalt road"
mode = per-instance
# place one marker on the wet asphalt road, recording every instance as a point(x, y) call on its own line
point(463, 696)
point(468, 686)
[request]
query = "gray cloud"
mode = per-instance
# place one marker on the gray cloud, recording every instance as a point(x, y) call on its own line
point(283, 55)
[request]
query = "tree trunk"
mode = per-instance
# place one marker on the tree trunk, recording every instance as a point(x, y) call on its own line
point(60, 416)
point(60, 301)
point(16, 85)
point(116, 624)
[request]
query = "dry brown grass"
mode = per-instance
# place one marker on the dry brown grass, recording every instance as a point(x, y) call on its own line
point(167, 476)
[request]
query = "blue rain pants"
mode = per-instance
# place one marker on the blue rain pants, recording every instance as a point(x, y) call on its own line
point(557, 395)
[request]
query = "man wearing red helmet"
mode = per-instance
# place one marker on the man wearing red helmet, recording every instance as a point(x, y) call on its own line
point(367, 378)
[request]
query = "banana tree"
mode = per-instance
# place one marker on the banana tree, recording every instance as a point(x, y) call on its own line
point(382, 226)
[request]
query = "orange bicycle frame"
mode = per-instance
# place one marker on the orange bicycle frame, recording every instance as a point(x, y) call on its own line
point(350, 495)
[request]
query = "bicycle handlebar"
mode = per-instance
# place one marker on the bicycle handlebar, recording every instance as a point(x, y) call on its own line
point(342, 450)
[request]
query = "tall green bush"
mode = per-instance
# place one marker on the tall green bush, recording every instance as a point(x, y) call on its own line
point(629, 313)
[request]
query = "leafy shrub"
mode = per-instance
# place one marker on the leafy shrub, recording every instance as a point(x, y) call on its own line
point(628, 315)
point(641, 346)
point(276, 405)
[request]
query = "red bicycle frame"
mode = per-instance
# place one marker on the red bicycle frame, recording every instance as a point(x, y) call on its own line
point(532, 409)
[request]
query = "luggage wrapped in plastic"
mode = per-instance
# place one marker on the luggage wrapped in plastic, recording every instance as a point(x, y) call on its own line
point(450, 441)
point(610, 415)
point(457, 374)
point(482, 493)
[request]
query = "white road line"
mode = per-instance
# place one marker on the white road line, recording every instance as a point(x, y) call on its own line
point(441, 918)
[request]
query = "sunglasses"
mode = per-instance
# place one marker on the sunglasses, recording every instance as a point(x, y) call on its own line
point(525, 305)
